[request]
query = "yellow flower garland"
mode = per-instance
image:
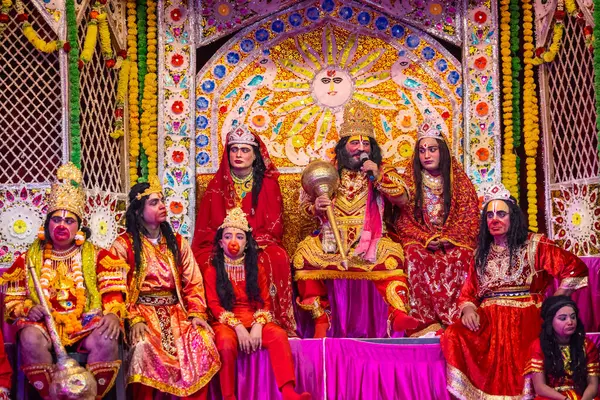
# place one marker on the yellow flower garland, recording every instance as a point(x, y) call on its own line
point(509, 159)
point(89, 43)
point(134, 113)
point(121, 93)
point(549, 54)
point(531, 129)
point(105, 44)
point(32, 35)
point(5, 9)
point(149, 119)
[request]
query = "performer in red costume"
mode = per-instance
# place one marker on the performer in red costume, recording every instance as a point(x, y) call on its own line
point(438, 229)
point(564, 363)
point(238, 297)
point(247, 178)
point(487, 350)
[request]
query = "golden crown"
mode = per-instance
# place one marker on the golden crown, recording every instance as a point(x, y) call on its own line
point(155, 187)
point(358, 120)
point(241, 135)
point(67, 193)
point(236, 218)
point(429, 129)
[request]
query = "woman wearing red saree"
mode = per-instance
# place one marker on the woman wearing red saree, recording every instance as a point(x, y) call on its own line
point(247, 178)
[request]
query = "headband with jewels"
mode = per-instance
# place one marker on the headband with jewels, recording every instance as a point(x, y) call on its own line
point(429, 129)
point(236, 218)
point(241, 135)
point(358, 120)
point(67, 192)
point(155, 187)
point(496, 192)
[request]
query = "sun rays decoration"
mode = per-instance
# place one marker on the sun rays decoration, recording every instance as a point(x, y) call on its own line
point(289, 77)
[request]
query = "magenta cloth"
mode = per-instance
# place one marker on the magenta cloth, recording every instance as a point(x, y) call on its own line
point(357, 311)
point(255, 379)
point(588, 298)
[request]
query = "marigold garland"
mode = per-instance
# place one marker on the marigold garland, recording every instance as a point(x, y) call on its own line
point(91, 35)
point(531, 128)
point(5, 7)
point(32, 35)
point(149, 118)
point(120, 101)
point(134, 123)
point(509, 171)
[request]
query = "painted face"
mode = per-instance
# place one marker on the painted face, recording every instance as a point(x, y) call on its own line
point(429, 154)
point(498, 218)
point(357, 145)
point(241, 157)
point(233, 242)
point(155, 210)
point(63, 227)
point(565, 322)
point(332, 87)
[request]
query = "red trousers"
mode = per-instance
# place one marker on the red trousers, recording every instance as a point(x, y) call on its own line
point(274, 339)
point(396, 297)
point(5, 369)
point(143, 392)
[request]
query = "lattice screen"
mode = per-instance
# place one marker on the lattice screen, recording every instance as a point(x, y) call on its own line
point(572, 133)
point(30, 106)
point(101, 154)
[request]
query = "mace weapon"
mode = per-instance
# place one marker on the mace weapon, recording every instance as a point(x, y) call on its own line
point(70, 381)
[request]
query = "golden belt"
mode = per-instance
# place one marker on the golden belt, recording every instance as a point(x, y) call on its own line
point(158, 299)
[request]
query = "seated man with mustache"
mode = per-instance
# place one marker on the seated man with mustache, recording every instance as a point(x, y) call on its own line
point(366, 187)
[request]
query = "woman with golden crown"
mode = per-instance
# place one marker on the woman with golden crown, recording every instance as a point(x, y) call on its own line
point(172, 348)
point(82, 297)
point(438, 230)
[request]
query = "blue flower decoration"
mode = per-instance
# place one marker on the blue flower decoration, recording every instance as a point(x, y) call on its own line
point(233, 58)
point(202, 140)
point(328, 5)
point(202, 103)
point(277, 26)
point(428, 53)
point(313, 13)
point(363, 18)
point(453, 77)
point(219, 71)
point(261, 35)
point(295, 19)
point(413, 41)
point(202, 158)
point(381, 23)
point(201, 122)
point(441, 65)
point(398, 31)
point(208, 86)
point(346, 12)
point(247, 45)
point(459, 91)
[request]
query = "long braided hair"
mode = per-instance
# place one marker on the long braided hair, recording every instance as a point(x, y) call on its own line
point(553, 358)
point(134, 220)
point(224, 286)
point(516, 235)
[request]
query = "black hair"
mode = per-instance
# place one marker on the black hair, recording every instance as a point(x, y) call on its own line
point(224, 286)
point(445, 168)
point(258, 173)
point(516, 235)
point(553, 358)
point(134, 221)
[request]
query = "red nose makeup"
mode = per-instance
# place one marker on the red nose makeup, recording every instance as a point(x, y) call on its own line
point(233, 248)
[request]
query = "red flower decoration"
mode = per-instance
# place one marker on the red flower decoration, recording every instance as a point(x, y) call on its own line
point(480, 17)
point(482, 109)
point(177, 60)
point(539, 51)
point(94, 14)
point(110, 63)
point(177, 107)
point(483, 154)
point(67, 47)
point(178, 156)
point(588, 30)
point(445, 115)
point(122, 54)
point(176, 14)
point(4, 18)
point(559, 15)
point(176, 207)
point(22, 17)
point(118, 112)
point(223, 109)
point(480, 63)
point(102, 1)
point(79, 64)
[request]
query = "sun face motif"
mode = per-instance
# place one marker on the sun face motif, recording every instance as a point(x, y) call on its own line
point(326, 81)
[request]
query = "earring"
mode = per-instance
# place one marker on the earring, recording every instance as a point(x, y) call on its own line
point(79, 238)
point(41, 233)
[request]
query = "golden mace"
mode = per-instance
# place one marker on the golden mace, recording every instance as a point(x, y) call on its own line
point(70, 381)
point(319, 178)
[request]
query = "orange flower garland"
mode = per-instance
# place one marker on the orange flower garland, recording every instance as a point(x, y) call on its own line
point(134, 90)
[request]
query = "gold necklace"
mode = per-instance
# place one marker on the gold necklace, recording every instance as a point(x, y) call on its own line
point(242, 185)
point(435, 184)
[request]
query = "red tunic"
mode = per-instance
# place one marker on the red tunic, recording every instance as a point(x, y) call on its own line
point(266, 221)
point(490, 361)
point(436, 277)
point(564, 385)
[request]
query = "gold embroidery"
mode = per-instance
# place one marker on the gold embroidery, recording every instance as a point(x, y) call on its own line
point(393, 298)
point(331, 274)
point(460, 386)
